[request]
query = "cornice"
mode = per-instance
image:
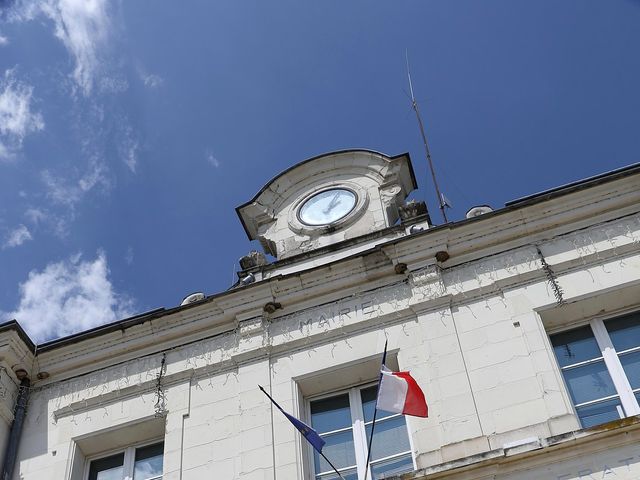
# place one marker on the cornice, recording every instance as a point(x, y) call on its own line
point(466, 241)
point(15, 353)
point(510, 228)
point(538, 453)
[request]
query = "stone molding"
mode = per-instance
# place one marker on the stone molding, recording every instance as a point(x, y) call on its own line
point(558, 221)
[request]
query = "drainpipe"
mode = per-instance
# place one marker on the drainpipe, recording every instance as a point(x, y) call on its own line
point(19, 413)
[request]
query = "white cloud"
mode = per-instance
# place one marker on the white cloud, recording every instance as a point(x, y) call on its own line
point(81, 25)
point(212, 160)
point(3, 40)
point(58, 224)
point(35, 215)
point(131, 159)
point(17, 120)
point(152, 80)
point(64, 192)
point(113, 84)
point(129, 150)
point(128, 256)
point(67, 297)
point(17, 237)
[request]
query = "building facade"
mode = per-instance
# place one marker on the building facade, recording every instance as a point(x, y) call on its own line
point(521, 325)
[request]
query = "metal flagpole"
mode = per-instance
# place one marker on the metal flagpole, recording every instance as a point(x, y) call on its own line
point(414, 105)
point(288, 417)
point(375, 412)
point(331, 464)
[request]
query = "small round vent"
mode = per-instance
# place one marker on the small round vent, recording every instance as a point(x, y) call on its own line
point(194, 297)
point(479, 210)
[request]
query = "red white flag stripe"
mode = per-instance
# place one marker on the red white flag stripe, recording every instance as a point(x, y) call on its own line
point(399, 393)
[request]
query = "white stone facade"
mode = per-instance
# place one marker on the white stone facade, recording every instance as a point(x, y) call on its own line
point(473, 330)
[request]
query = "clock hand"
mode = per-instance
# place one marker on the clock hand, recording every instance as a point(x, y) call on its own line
point(332, 204)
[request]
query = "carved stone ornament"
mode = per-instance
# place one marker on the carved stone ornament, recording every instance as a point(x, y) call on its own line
point(328, 199)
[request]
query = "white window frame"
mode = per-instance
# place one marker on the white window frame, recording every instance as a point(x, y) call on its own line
point(129, 459)
point(612, 362)
point(358, 426)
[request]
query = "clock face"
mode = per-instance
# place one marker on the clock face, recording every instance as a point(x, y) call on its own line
point(327, 207)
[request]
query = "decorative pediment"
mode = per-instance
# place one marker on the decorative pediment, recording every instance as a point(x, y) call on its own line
point(328, 199)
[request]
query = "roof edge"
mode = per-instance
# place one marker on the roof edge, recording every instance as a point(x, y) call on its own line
point(15, 326)
point(577, 185)
point(106, 328)
point(159, 312)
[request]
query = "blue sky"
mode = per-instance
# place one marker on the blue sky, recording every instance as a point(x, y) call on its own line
point(129, 131)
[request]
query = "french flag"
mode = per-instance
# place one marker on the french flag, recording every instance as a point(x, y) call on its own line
point(399, 393)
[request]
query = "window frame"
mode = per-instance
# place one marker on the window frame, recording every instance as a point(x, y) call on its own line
point(129, 461)
point(358, 427)
point(611, 359)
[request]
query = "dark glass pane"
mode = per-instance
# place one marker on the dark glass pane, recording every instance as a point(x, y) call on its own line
point(331, 413)
point(392, 467)
point(368, 396)
point(339, 449)
point(109, 468)
point(351, 474)
point(589, 382)
point(631, 364)
point(599, 413)
point(390, 437)
point(575, 346)
point(624, 331)
point(148, 462)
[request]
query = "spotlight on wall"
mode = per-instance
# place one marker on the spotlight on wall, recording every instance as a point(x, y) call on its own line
point(442, 256)
point(271, 307)
point(400, 268)
point(250, 278)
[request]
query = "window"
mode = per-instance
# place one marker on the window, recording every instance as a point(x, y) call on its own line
point(141, 463)
point(600, 363)
point(344, 421)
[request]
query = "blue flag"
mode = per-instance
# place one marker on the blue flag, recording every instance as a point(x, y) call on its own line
point(307, 432)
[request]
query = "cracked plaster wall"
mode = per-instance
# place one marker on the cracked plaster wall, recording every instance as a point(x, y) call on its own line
point(469, 334)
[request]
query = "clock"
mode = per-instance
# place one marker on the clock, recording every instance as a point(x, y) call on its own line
point(327, 207)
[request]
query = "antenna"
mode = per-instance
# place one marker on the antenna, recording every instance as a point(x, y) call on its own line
point(441, 201)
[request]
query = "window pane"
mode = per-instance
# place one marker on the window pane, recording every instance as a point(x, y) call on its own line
point(368, 396)
point(331, 414)
point(339, 449)
point(351, 474)
point(575, 346)
point(624, 331)
point(589, 382)
point(599, 413)
point(631, 364)
point(389, 438)
point(109, 468)
point(392, 467)
point(148, 462)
